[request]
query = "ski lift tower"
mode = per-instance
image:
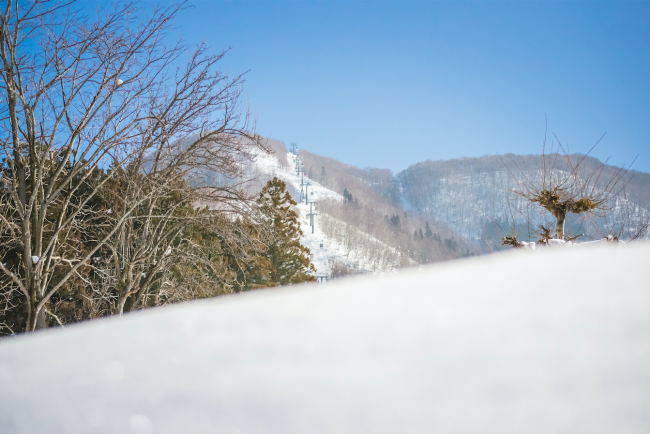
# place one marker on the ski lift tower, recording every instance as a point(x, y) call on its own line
point(313, 211)
point(306, 185)
point(294, 148)
point(300, 166)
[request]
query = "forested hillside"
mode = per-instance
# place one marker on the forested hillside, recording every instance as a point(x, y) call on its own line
point(371, 206)
point(476, 197)
point(474, 201)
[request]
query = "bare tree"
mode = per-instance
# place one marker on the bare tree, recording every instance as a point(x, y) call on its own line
point(94, 105)
point(560, 186)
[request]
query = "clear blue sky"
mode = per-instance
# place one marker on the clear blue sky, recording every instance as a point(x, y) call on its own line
point(389, 84)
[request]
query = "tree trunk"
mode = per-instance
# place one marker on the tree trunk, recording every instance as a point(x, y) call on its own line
point(121, 302)
point(126, 301)
point(35, 321)
point(559, 224)
point(40, 320)
point(128, 305)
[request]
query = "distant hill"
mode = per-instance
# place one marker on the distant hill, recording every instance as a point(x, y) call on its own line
point(373, 208)
point(474, 196)
point(348, 225)
point(444, 209)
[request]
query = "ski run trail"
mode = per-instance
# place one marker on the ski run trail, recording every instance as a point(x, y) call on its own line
point(324, 251)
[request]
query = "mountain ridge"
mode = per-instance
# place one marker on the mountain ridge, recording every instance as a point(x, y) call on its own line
point(474, 196)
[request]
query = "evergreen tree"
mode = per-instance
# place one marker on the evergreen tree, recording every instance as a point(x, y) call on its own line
point(347, 195)
point(286, 260)
point(427, 230)
point(451, 244)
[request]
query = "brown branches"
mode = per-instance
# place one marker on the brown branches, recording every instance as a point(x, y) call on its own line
point(96, 109)
point(511, 241)
point(561, 186)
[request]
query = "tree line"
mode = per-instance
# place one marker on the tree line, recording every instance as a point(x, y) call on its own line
point(122, 175)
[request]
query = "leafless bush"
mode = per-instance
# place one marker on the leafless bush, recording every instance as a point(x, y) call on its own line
point(340, 269)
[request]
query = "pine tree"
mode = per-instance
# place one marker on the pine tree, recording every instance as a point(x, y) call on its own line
point(451, 244)
point(427, 230)
point(347, 195)
point(288, 260)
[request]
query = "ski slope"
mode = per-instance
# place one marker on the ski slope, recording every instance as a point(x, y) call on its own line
point(469, 346)
point(324, 251)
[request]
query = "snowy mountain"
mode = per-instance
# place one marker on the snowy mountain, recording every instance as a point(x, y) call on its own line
point(326, 251)
point(468, 203)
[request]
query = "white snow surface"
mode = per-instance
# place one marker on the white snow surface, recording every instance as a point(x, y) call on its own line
point(555, 243)
point(457, 347)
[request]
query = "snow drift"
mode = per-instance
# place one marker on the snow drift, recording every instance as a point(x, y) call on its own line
point(555, 341)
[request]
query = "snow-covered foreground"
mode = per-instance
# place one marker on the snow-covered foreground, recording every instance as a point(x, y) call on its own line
point(502, 343)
